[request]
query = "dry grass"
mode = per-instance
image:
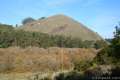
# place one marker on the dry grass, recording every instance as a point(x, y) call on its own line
point(34, 59)
point(62, 25)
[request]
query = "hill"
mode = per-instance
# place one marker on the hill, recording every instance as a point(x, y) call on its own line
point(62, 25)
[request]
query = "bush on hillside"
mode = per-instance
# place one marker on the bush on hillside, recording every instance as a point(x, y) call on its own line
point(27, 20)
point(82, 65)
point(110, 54)
point(73, 75)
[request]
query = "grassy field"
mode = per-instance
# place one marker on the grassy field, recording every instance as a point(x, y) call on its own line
point(23, 64)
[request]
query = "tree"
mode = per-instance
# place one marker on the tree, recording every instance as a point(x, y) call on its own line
point(100, 44)
point(110, 54)
point(42, 18)
point(27, 20)
point(115, 46)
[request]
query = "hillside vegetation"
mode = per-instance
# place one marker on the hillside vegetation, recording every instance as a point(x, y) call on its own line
point(12, 37)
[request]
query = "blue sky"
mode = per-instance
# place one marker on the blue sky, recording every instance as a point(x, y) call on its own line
point(99, 15)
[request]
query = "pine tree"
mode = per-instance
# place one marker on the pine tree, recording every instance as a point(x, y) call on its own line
point(115, 46)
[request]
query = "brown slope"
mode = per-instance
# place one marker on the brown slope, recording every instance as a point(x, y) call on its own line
point(62, 25)
point(34, 59)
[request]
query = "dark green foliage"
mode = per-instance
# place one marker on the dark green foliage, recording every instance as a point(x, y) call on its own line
point(82, 65)
point(100, 73)
point(5, 35)
point(28, 20)
point(115, 46)
point(10, 37)
point(100, 44)
point(42, 18)
point(25, 39)
point(103, 57)
point(110, 54)
point(69, 76)
point(109, 40)
point(89, 44)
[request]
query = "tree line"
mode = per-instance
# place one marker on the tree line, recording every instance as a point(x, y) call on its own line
point(11, 37)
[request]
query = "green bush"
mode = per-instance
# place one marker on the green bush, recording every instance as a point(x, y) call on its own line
point(110, 54)
point(73, 75)
point(82, 65)
point(27, 20)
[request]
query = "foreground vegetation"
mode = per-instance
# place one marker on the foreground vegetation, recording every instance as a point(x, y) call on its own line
point(34, 59)
point(104, 64)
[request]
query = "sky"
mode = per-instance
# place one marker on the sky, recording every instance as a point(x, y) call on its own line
point(99, 15)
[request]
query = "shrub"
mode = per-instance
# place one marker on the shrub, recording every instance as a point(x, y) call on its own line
point(82, 65)
point(110, 54)
point(73, 75)
point(28, 20)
